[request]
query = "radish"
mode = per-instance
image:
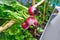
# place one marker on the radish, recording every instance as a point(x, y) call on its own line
point(25, 25)
point(29, 21)
point(32, 21)
point(31, 10)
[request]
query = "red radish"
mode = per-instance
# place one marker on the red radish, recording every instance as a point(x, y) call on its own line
point(35, 22)
point(31, 10)
point(25, 25)
point(32, 21)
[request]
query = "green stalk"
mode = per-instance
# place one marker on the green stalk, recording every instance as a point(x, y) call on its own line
point(23, 14)
point(14, 14)
point(22, 6)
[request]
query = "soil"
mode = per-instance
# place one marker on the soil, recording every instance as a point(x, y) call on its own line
point(37, 36)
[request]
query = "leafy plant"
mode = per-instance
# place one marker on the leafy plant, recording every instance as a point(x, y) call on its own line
point(14, 10)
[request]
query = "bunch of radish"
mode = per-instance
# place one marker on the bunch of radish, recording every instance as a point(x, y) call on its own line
point(31, 20)
point(28, 22)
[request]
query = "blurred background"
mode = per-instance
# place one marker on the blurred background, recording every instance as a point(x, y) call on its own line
point(16, 32)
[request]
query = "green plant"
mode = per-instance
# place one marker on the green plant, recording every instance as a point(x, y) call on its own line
point(14, 11)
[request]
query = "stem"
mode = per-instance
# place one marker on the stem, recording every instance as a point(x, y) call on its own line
point(22, 14)
point(39, 3)
point(22, 6)
point(5, 23)
point(9, 24)
point(14, 14)
point(33, 2)
point(44, 9)
point(35, 32)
